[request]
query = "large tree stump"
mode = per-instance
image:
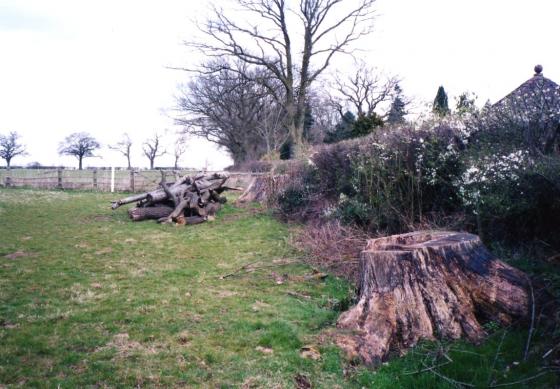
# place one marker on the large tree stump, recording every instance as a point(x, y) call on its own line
point(427, 285)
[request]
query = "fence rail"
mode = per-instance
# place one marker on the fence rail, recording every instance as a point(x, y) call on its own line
point(103, 180)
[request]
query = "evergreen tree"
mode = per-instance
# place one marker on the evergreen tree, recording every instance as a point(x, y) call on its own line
point(441, 104)
point(398, 107)
point(343, 129)
point(365, 125)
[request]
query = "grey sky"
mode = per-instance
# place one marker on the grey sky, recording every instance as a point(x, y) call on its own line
point(100, 66)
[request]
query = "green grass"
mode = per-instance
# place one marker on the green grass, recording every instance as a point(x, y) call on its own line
point(96, 300)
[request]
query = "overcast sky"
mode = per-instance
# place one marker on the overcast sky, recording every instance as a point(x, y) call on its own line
point(102, 66)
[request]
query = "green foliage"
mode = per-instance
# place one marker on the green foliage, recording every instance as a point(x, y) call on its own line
point(365, 125)
point(293, 198)
point(286, 150)
point(351, 127)
point(343, 129)
point(397, 111)
point(353, 211)
point(394, 180)
point(441, 104)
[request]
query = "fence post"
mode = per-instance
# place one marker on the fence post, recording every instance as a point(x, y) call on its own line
point(132, 179)
point(112, 179)
point(59, 178)
point(8, 179)
point(95, 179)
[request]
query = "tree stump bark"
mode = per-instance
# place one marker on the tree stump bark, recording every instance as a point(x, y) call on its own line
point(263, 189)
point(427, 285)
point(255, 192)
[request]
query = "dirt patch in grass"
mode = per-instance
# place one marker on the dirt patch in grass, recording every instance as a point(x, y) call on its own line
point(126, 347)
point(104, 251)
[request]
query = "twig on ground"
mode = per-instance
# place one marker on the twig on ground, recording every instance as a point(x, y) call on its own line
point(247, 268)
point(425, 369)
point(545, 355)
point(298, 295)
point(520, 381)
point(532, 328)
point(491, 374)
point(446, 378)
point(238, 271)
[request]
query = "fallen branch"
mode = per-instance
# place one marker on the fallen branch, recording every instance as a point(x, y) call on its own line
point(520, 381)
point(532, 327)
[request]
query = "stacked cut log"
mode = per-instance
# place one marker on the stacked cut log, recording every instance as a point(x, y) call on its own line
point(188, 200)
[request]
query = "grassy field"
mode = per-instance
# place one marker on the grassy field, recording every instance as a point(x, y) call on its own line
point(90, 299)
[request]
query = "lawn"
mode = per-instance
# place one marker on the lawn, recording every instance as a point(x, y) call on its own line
point(90, 299)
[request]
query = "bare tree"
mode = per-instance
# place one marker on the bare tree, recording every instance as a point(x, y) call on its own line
point(326, 115)
point(326, 27)
point(123, 147)
point(10, 147)
point(364, 90)
point(226, 107)
point(271, 125)
point(80, 145)
point(179, 149)
point(152, 149)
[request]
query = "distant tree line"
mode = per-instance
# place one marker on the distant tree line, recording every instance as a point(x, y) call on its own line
point(83, 145)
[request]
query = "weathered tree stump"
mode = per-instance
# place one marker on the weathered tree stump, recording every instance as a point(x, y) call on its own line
point(263, 189)
point(255, 192)
point(427, 285)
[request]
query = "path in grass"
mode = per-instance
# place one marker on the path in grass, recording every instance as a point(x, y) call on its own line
point(88, 298)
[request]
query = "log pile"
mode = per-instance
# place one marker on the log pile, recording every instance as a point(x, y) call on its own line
point(188, 200)
point(427, 285)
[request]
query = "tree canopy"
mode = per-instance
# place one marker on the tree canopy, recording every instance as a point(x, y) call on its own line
point(10, 147)
point(80, 145)
point(294, 41)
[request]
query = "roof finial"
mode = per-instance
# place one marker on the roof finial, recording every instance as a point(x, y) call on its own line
point(538, 70)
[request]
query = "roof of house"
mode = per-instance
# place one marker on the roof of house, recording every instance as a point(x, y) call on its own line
point(537, 83)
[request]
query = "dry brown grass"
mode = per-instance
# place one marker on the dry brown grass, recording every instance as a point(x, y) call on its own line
point(333, 246)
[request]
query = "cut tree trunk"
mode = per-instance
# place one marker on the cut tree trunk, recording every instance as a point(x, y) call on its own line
point(255, 192)
point(427, 285)
point(189, 200)
point(149, 213)
point(263, 189)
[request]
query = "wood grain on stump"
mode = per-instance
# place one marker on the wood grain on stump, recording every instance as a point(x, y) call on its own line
point(427, 285)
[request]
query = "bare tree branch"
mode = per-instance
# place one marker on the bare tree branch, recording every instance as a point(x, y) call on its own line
point(327, 27)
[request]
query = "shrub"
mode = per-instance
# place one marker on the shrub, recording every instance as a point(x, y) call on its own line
point(403, 177)
point(252, 166)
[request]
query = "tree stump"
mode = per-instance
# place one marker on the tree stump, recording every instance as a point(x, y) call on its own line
point(255, 192)
point(427, 285)
point(263, 189)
